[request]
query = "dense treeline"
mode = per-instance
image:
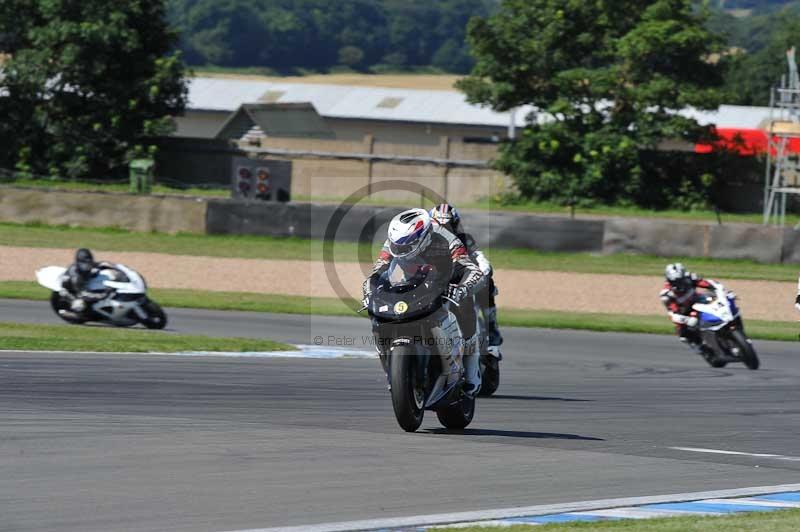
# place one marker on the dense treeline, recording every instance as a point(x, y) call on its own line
point(292, 35)
point(757, 55)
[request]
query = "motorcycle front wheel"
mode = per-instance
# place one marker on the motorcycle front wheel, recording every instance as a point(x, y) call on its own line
point(58, 303)
point(156, 318)
point(408, 395)
point(746, 352)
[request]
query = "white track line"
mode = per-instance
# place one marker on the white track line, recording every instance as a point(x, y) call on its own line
point(505, 513)
point(737, 453)
point(303, 351)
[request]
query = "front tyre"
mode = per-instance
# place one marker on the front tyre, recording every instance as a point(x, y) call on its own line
point(156, 318)
point(59, 304)
point(408, 395)
point(457, 415)
point(746, 352)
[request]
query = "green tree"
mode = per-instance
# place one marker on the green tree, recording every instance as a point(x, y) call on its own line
point(607, 80)
point(88, 82)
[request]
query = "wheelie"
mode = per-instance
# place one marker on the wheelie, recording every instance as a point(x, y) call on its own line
point(709, 322)
point(423, 320)
point(102, 292)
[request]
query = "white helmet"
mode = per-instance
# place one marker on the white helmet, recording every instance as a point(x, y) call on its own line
point(409, 233)
point(674, 272)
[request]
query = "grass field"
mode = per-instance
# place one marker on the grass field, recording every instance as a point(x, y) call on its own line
point(757, 329)
point(15, 336)
point(81, 186)
point(399, 81)
point(253, 247)
point(778, 521)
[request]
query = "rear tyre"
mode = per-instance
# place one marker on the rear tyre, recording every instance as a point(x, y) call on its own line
point(746, 351)
point(457, 415)
point(408, 396)
point(156, 318)
point(59, 303)
point(490, 376)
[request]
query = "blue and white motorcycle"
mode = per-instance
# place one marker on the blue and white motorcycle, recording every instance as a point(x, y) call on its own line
point(721, 329)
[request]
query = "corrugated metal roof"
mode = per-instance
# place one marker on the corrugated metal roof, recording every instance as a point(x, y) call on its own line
point(409, 105)
point(340, 101)
point(733, 117)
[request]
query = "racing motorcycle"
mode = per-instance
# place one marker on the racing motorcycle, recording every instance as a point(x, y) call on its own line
point(408, 302)
point(721, 329)
point(125, 303)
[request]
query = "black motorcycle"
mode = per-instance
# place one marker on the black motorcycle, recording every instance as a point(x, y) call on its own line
point(407, 302)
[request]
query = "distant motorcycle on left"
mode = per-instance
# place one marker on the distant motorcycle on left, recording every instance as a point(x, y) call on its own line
point(123, 301)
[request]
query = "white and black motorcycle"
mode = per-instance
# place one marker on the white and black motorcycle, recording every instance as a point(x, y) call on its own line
point(124, 302)
point(721, 329)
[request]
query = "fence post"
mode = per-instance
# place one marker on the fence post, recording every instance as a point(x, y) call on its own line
point(369, 144)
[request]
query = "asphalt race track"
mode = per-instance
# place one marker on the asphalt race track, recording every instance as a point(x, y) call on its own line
point(147, 442)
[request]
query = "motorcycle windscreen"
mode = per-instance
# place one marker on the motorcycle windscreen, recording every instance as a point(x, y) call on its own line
point(408, 273)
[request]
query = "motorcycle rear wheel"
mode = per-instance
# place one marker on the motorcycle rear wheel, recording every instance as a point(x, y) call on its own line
point(156, 318)
point(490, 376)
point(457, 415)
point(58, 303)
point(408, 396)
point(746, 351)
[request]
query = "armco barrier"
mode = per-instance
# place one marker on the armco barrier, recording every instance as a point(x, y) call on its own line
point(166, 214)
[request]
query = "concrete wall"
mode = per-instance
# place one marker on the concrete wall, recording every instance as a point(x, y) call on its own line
point(339, 178)
point(172, 214)
point(167, 214)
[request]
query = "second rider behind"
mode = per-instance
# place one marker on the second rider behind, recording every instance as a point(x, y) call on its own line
point(448, 216)
point(411, 234)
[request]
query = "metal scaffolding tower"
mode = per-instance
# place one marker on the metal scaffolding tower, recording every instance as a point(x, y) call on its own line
point(783, 167)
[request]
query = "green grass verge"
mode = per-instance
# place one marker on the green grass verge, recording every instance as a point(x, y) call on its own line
point(757, 329)
point(15, 336)
point(253, 247)
point(81, 186)
point(776, 521)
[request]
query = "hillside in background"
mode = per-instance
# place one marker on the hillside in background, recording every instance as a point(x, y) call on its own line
point(280, 37)
point(293, 36)
point(759, 39)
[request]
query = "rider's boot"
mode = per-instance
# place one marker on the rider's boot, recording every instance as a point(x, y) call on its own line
point(495, 338)
point(700, 348)
point(472, 371)
point(78, 305)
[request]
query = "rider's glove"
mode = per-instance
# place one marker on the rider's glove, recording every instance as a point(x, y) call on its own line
point(680, 319)
point(456, 293)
